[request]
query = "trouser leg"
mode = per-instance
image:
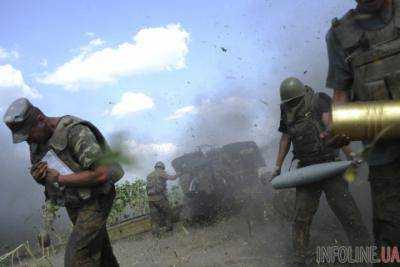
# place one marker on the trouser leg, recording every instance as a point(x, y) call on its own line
point(307, 201)
point(155, 217)
point(89, 244)
point(343, 205)
point(107, 255)
point(166, 214)
point(385, 190)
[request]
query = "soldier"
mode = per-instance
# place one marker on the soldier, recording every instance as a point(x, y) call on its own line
point(304, 115)
point(87, 192)
point(160, 211)
point(364, 65)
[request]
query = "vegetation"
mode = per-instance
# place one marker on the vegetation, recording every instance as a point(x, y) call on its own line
point(131, 200)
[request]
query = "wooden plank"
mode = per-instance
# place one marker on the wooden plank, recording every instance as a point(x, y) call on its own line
point(130, 228)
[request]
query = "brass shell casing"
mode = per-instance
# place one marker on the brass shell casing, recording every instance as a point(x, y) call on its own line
point(367, 120)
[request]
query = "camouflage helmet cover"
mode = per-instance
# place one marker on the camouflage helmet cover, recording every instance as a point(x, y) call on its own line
point(20, 117)
point(291, 88)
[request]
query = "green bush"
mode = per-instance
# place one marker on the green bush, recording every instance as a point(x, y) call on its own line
point(131, 198)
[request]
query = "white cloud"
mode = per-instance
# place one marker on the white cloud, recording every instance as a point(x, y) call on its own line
point(90, 34)
point(4, 54)
point(96, 42)
point(12, 78)
point(132, 102)
point(147, 154)
point(152, 50)
point(43, 62)
point(92, 45)
point(182, 112)
point(152, 149)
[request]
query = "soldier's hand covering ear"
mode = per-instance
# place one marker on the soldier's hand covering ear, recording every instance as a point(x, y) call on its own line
point(38, 172)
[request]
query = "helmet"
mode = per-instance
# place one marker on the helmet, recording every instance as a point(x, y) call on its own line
point(160, 165)
point(291, 88)
point(370, 5)
point(20, 118)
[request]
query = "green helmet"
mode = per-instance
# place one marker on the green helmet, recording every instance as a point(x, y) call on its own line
point(159, 165)
point(291, 88)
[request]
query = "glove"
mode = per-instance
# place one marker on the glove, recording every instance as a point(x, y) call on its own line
point(276, 172)
point(356, 159)
point(39, 171)
point(336, 141)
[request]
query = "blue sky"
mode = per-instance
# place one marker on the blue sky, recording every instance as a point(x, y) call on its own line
point(191, 79)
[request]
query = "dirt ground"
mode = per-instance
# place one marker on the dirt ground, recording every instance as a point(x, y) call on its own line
point(257, 236)
point(235, 241)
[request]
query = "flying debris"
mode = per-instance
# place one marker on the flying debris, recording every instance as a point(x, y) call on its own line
point(264, 102)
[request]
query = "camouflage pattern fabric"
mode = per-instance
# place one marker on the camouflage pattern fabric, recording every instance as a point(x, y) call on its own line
point(84, 146)
point(385, 190)
point(342, 204)
point(89, 243)
point(160, 213)
point(156, 184)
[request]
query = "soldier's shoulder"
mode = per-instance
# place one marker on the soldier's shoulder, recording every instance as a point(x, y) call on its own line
point(79, 130)
point(324, 96)
point(152, 174)
point(346, 18)
point(343, 31)
point(159, 172)
point(81, 138)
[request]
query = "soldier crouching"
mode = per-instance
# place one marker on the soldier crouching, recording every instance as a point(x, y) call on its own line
point(87, 191)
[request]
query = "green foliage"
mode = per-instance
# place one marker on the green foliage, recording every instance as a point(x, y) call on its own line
point(131, 198)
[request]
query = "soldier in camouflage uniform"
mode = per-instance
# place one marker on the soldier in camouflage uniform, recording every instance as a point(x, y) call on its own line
point(87, 192)
point(304, 116)
point(364, 65)
point(160, 211)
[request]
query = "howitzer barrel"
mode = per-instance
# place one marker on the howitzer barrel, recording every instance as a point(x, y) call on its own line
point(367, 120)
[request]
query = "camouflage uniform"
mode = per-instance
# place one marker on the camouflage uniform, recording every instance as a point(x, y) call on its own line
point(303, 124)
point(81, 147)
point(160, 210)
point(364, 61)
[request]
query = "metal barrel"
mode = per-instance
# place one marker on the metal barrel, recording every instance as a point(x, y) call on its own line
point(367, 120)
